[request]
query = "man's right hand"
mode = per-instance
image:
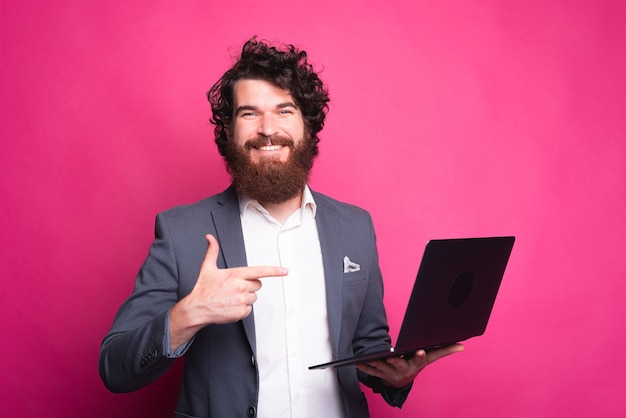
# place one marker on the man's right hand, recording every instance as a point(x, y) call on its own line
point(220, 296)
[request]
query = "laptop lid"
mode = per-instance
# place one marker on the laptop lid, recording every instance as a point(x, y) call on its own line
point(452, 298)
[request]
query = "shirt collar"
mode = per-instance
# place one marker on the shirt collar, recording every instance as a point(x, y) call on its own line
point(307, 202)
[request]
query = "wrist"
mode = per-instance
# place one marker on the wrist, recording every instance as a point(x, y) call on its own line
point(181, 326)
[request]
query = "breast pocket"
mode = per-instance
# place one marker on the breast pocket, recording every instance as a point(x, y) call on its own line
point(354, 277)
point(354, 291)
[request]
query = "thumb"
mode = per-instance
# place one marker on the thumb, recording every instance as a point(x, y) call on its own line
point(212, 251)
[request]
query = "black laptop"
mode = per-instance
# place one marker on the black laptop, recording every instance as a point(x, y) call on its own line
point(452, 298)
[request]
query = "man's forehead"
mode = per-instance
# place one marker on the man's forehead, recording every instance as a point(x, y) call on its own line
point(247, 89)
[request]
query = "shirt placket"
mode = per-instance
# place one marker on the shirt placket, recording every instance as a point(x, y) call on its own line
point(287, 247)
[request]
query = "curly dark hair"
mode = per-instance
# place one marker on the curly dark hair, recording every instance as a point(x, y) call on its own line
point(286, 67)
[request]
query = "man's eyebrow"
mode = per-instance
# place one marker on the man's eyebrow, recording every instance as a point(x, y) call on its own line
point(286, 104)
point(283, 105)
point(243, 108)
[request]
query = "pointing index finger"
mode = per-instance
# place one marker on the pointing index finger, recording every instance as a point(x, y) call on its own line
point(259, 272)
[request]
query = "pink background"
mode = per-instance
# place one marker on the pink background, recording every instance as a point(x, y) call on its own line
point(471, 120)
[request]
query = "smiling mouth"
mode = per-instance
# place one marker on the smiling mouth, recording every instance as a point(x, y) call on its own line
point(269, 147)
point(267, 144)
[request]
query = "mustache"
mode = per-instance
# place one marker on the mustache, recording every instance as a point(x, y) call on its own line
point(268, 140)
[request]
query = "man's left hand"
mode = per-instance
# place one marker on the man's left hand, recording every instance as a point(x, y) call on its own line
point(399, 372)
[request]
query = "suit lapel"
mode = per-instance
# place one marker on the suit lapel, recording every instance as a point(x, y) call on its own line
point(228, 228)
point(227, 223)
point(328, 227)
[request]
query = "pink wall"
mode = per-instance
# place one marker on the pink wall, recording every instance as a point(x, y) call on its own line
point(495, 118)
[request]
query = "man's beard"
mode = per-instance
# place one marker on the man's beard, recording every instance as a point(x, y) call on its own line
point(270, 180)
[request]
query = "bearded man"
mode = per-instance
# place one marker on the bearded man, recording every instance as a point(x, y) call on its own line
point(249, 285)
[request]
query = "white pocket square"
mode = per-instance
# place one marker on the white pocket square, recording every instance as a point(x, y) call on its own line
point(349, 266)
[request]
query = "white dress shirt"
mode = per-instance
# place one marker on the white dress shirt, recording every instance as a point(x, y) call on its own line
point(290, 314)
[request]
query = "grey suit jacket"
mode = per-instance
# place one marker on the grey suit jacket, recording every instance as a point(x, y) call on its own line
point(220, 376)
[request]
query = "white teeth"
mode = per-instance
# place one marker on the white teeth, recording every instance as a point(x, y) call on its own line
point(270, 147)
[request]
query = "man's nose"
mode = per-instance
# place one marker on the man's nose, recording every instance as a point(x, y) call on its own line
point(267, 126)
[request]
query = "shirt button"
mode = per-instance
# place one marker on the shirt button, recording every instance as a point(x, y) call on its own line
point(251, 411)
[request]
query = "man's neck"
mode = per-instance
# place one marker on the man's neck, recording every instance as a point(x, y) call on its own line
point(282, 211)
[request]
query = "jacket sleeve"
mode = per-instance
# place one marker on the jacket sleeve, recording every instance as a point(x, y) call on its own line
point(134, 352)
